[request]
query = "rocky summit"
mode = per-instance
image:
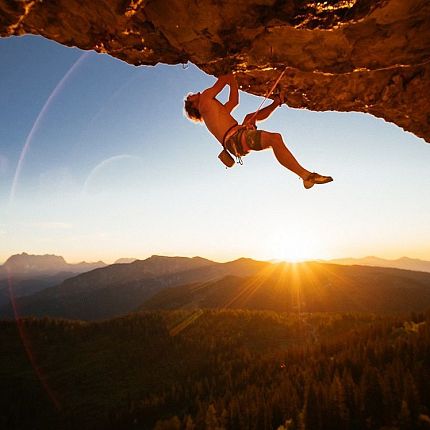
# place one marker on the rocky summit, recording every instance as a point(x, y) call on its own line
point(368, 56)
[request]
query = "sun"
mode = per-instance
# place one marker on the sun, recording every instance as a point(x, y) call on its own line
point(292, 256)
point(295, 248)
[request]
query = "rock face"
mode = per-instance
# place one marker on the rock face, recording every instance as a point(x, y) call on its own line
point(345, 55)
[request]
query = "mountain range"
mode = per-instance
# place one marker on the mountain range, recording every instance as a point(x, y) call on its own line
point(121, 288)
point(399, 263)
point(32, 273)
point(180, 282)
point(42, 265)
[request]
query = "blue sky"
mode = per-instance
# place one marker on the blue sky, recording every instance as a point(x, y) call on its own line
point(113, 169)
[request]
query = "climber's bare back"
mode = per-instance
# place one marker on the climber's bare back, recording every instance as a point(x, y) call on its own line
point(215, 116)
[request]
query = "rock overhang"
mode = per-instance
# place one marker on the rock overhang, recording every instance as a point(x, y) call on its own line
point(368, 56)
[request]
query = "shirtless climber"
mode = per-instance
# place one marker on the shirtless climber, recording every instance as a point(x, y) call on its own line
point(240, 139)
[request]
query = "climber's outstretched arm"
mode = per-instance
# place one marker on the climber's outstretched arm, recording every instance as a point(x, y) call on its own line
point(218, 86)
point(233, 99)
point(263, 113)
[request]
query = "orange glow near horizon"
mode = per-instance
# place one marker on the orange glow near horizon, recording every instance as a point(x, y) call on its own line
point(295, 247)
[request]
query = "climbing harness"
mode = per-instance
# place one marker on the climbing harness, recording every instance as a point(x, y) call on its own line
point(224, 155)
point(239, 148)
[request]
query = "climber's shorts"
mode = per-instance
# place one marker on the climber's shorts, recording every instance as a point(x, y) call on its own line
point(244, 140)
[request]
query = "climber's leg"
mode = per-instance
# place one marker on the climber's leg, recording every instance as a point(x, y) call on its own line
point(287, 159)
point(282, 153)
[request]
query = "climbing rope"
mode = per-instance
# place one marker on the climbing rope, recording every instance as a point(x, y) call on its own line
point(269, 93)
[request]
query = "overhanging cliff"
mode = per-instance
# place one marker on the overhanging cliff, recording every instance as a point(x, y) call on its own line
point(344, 55)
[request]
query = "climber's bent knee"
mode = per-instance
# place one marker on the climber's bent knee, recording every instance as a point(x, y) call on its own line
point(270, 140)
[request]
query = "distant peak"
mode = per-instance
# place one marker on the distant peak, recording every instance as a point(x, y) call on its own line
point(25, 256)
point(202, 259)
point(404, 258)
point(125, 260)
point(243, 260)
point(175, 257)
point(160, 257)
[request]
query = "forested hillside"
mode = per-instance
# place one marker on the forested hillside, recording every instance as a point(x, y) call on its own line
point(221, 369)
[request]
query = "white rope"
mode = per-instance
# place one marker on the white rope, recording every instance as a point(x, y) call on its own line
point(269, 93)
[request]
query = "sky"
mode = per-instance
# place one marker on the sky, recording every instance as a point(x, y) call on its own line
point(98, 162)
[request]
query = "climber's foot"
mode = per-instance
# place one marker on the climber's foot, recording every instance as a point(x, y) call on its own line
point(315, 178)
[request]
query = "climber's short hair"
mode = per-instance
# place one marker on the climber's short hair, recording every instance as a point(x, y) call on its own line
point(191, 111)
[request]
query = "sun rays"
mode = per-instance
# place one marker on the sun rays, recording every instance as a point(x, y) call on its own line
point(286, 287)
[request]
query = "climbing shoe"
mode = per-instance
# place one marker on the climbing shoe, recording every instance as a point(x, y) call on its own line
point(315, 178)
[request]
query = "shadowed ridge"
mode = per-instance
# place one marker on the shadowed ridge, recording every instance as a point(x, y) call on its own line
point(120, 288)
point(305, 287)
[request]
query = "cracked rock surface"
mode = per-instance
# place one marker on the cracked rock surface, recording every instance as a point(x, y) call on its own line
point(343, 55)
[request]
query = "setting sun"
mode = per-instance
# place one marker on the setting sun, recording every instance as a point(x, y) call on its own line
point(295, 247)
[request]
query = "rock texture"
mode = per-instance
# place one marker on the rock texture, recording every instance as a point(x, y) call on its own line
point(345, 55)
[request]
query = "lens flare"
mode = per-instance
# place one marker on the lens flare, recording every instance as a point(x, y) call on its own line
point(55, 92)
point(27, 345)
